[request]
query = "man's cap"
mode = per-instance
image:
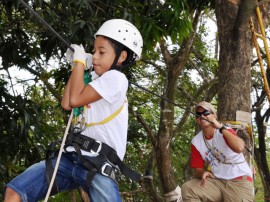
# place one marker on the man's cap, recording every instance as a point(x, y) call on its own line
point(206, 105)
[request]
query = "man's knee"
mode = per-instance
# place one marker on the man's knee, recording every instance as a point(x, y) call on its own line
point(185, 189)
point(187, 185)
point(11, 195)
point(188, 189)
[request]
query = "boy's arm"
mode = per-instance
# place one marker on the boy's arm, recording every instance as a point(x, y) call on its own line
point(65, 99)
point(77, 93)
point(80, 93)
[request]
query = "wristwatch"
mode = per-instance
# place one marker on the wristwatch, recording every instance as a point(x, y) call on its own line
point(222, 128)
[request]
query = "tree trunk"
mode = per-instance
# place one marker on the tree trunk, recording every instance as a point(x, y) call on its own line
point(260, 151)
point(235, 57)
point(175, 64)
point(235, 65)
point(235, 62)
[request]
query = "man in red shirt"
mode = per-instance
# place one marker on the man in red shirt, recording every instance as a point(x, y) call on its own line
point(219, 148)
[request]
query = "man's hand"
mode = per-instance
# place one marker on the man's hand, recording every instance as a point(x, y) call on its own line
point(205, 175)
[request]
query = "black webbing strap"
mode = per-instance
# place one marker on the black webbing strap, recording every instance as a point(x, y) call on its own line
point(91, 145)
point(90, 175)
point(50, 168)
point(94, 164)
point(113, 157)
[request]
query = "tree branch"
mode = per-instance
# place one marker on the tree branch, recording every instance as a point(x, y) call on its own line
point(9, 77)
point(50, 87)
point(184, 50)
point(262, 2)
point(165, 52)
point(144, 124)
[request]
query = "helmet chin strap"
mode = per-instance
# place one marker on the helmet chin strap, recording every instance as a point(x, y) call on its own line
point(117, 55)
point(128, 63)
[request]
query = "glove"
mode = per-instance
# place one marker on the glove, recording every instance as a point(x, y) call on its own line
point(89, 61)
point(79, 55)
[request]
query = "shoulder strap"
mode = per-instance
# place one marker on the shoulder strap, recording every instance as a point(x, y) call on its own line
point(107, 119)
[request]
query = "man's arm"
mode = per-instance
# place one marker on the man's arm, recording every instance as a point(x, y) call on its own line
point(234, 142)
point(198, 172)
point(202, 174)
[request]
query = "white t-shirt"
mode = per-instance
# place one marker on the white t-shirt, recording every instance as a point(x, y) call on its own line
point(239, 166)
point(112, 86)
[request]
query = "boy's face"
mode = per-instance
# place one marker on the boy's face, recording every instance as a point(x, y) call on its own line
point(103, 55)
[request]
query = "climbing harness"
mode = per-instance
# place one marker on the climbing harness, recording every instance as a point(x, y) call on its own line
point(104, 156)
point(104, 160)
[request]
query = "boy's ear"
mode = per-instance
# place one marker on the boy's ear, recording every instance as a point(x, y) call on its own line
point(123, 56)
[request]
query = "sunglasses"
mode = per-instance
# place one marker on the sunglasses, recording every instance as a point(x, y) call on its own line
point(205, 113)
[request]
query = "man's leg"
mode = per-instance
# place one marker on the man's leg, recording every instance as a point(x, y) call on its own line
point(238, 191)
point(193, 191)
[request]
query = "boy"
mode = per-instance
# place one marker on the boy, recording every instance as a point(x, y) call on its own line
point(94, 151)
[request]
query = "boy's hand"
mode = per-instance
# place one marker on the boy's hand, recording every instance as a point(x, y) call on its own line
point(79, 55)
point(89, 61)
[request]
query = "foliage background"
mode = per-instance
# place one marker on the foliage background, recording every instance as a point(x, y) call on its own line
point(32, 118)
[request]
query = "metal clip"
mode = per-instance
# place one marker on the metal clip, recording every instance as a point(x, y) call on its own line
point(99, 148)
point(103, 169)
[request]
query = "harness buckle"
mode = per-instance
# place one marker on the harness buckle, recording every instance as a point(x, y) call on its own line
point(98, 149)
point(105, 171)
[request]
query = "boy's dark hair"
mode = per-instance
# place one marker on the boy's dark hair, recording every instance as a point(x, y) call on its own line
point(131, 56)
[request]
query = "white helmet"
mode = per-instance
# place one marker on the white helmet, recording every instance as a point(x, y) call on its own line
point(124, 32)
